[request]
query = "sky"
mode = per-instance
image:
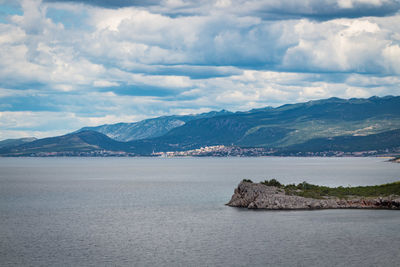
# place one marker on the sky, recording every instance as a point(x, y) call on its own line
point(69, 64)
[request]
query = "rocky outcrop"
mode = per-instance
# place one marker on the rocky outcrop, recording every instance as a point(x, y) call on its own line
point(260, 196)
point(395, 160)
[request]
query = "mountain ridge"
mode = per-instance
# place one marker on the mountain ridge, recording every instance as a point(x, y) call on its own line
point(289, 124)
point(149, 128)
point(314, 126)
point(17, 141)
point(71, 144)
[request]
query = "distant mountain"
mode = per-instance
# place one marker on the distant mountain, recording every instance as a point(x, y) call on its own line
point(15, 142)
point(149, 128)
point(315, 126)
point(286, 125)
point(70, 144)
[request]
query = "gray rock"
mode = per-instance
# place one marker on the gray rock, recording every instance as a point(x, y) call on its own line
point(260, 196)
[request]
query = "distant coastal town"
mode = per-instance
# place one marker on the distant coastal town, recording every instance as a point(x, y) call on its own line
point(235, 151)
point(221, 151)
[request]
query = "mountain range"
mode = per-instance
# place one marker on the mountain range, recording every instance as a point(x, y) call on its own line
point(149, 128)
point(332, 124)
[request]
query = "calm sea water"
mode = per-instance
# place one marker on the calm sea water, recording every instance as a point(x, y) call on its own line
point(170, 212)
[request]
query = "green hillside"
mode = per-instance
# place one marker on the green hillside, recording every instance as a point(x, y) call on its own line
point(287, 125)
point(70, 144)
point(16, 142)
point(379, 141)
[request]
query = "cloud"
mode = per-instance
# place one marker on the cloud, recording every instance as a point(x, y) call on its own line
point(343, 45)
point(110, 4)
point(266, 9)
point(133, 38)
point(104, 83)
point(328, 9)
point(78, 63)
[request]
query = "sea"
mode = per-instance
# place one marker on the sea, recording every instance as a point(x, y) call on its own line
point(172, 212)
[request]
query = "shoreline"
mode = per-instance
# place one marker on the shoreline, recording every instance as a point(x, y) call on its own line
point(391, 158)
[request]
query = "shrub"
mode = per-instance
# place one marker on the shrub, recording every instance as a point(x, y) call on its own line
point(272, 182)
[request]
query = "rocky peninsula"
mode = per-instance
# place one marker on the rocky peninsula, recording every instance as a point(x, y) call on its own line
point(395, 160)
point(262, 196)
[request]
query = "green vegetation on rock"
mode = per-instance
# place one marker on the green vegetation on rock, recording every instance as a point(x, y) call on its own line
point(305, 189)
point(272, 182)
